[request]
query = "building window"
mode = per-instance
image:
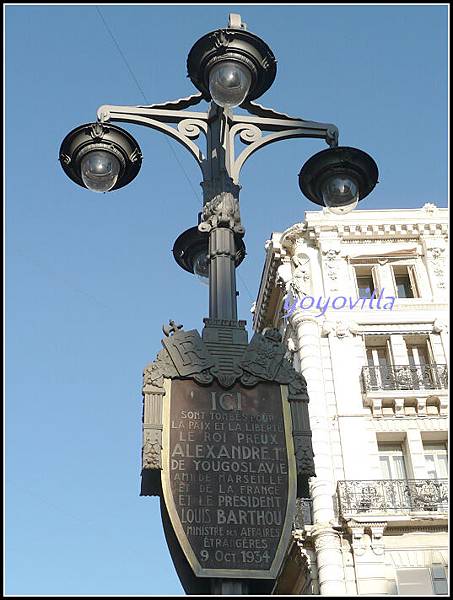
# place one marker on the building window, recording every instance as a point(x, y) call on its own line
point(391, 457)
point(422, 370)
point(439, 580)
point(418, 354)
point(365, 281)
point(379, 364)
point(414, 582)
point(436, 460)
point(405, 281)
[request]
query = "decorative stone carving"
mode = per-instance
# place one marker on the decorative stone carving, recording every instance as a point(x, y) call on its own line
point(154, 373)
point(340, 329)
point(429, 207)
point(358, 539)
point(377, 537)
point(304, 453)
point(188, 352)
point(283, 277)
point(399, 407)
point(436, 257)
point(325, 538)
point(330, 257)
point(264, 355)
point(152, 448)
point(171, 328)
point(421, 407)
point(301, 279)
point(291, 236)
point(222, 209)
point(438, 326)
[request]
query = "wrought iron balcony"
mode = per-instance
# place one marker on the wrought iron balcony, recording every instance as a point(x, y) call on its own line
point(404, 377)
point(392, 496)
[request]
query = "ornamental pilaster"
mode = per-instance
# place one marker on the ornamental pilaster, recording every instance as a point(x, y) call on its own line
point(309, 354)
point(435, 251)
point(331, 574)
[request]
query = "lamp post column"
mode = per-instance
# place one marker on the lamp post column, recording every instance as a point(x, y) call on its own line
point(220, 216)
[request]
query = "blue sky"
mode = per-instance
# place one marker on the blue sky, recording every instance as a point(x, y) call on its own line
point(90, 278)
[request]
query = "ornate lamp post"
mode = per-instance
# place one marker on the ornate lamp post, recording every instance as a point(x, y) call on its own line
point(230, 67)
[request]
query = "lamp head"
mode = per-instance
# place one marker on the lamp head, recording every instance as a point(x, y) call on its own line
point(231, 65)
point(191, 252)
point(338, 178)
point(100, 157)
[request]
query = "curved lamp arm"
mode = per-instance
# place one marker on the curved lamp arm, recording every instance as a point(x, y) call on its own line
point(250, 129)
point(157, 116)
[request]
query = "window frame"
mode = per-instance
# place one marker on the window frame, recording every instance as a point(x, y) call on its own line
point(437, 449)
point(369, 270)
point(411, 271)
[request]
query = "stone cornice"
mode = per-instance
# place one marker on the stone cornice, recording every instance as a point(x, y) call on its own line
point(369, 232)
point(275, 253)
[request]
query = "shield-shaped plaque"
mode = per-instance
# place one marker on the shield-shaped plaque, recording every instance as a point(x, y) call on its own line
point(229, 476)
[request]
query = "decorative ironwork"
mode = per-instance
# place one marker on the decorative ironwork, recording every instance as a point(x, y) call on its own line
point(405, 377)
point(392, 495)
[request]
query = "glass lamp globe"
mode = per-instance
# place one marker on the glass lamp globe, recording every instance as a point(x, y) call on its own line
point(340, 194)
point(229, 83)
point(100, 170)
point(201, 267)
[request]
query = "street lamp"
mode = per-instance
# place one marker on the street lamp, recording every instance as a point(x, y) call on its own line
point(230, 67)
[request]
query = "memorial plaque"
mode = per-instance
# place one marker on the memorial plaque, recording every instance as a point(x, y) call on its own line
point(229, 481)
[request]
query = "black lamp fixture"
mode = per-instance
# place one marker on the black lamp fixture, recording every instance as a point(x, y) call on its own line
point(338, 178)
point(100, 157)
point(231, 65)
point(191, 252)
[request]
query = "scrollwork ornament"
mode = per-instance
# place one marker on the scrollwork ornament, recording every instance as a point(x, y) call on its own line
point(204, 378)
point(249, 380)
point(191, 128)
point(98, 130)
point(247, 132)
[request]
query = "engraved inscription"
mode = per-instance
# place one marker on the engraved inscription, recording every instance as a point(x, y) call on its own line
point(229, 472)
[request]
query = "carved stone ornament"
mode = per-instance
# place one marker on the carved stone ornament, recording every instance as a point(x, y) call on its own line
point(187, 355)
point(438, 326)
point(340, 329)
point(222, 209)
point(377, 538)
point(304, 453)
point(152, 447)
point(300, 284)
point(436, 257)
point(330, 256)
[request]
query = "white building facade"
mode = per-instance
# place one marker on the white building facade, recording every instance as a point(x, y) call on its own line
point(361, 302)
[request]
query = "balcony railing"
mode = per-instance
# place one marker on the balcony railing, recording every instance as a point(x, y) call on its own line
point(392, 496)
point(404, 377)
